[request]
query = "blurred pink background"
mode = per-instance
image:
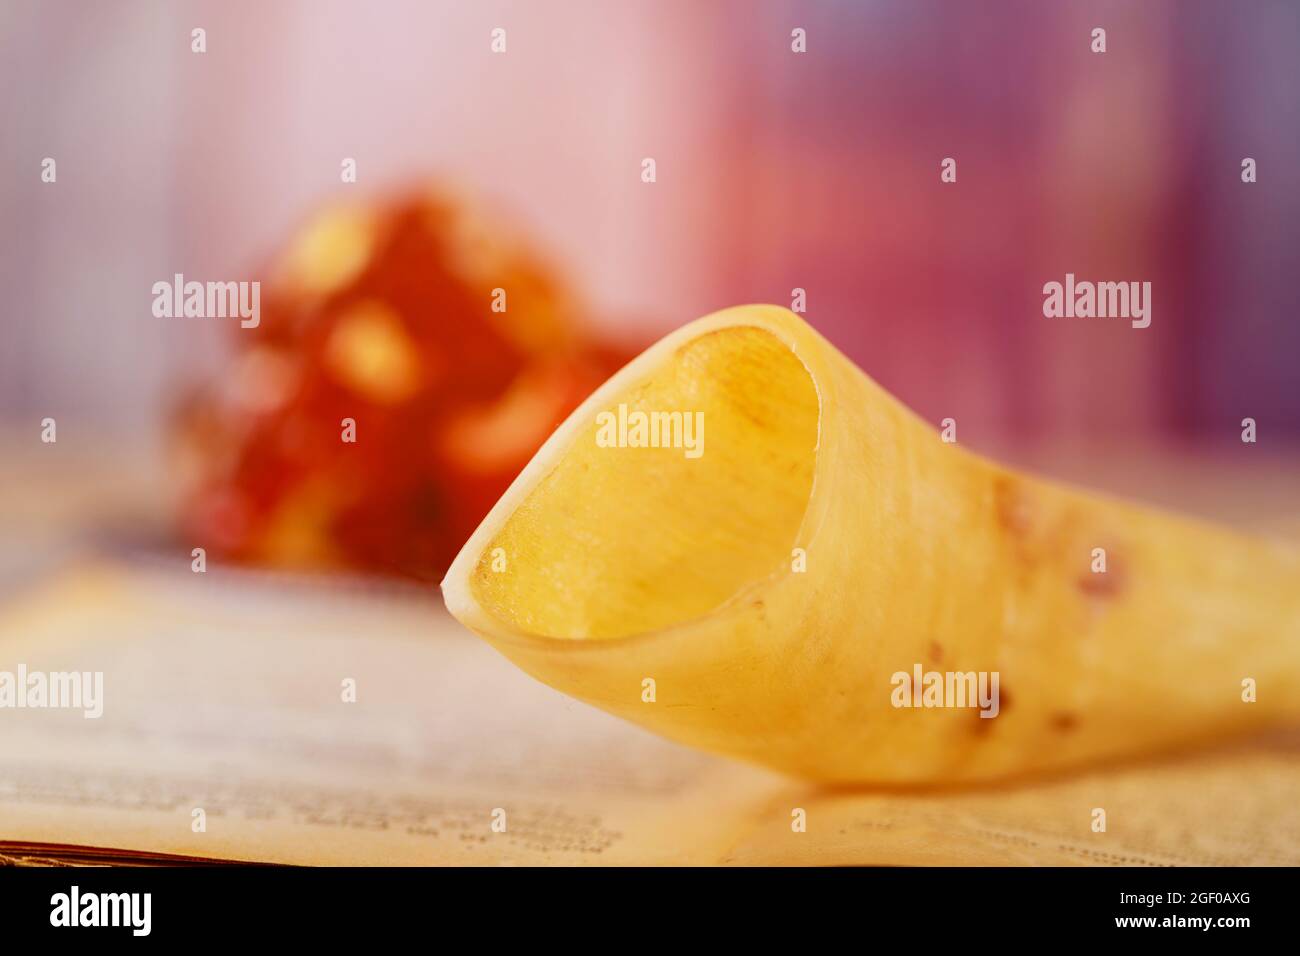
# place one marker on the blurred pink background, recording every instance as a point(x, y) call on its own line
point(775, 171)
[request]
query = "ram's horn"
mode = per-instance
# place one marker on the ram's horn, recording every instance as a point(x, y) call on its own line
point(769, 576)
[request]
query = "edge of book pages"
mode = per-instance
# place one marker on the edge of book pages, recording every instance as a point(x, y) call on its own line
point(223, 693)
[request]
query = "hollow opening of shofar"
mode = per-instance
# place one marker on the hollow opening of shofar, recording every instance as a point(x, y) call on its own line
point(687, 486)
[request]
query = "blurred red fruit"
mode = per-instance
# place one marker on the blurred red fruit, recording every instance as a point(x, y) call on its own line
point(384, 315)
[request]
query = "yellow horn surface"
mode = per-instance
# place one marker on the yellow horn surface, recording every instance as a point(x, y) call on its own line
point(743, 543)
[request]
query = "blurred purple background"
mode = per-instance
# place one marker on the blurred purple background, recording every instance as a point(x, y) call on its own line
point(775, 170)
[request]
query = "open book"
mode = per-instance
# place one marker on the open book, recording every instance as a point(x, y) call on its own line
point(253, 718)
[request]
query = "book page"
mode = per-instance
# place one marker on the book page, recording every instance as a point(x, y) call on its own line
point(225, 693)
point(1232, 807)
